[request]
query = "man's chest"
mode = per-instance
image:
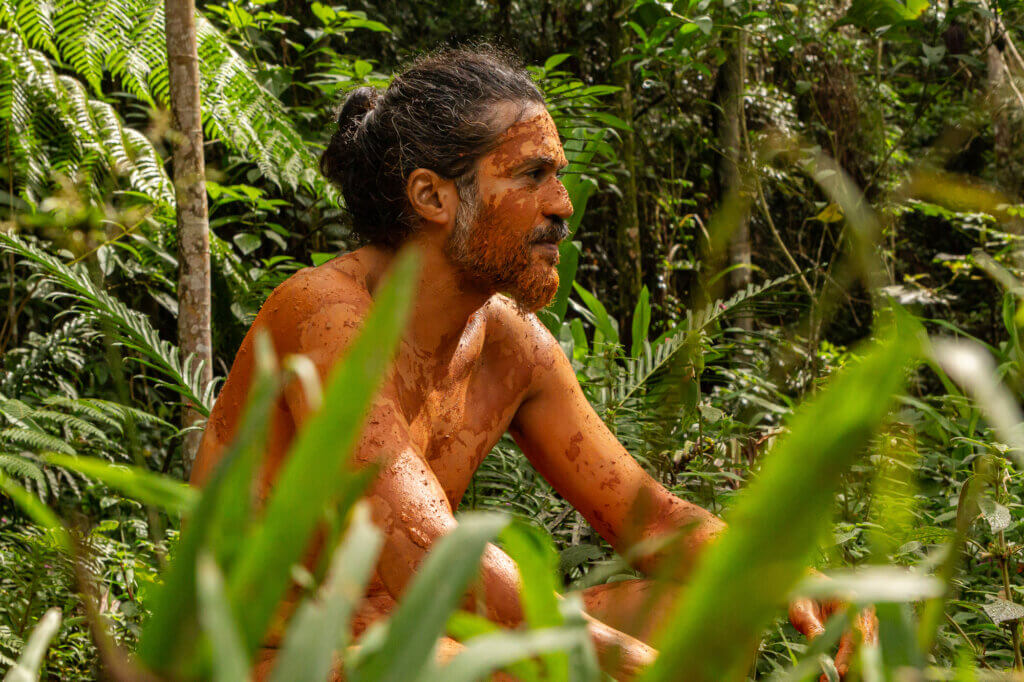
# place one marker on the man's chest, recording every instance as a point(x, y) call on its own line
point(459, 405)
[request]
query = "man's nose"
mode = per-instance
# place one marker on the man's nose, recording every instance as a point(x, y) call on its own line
point(562, 205)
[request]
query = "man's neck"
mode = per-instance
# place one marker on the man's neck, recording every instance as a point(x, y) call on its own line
point(445, 297)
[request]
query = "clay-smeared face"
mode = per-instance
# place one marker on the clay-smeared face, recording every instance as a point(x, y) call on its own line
point(508, 238)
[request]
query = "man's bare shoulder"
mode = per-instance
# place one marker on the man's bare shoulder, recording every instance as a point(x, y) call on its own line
point(522, 333)
point(318, 305)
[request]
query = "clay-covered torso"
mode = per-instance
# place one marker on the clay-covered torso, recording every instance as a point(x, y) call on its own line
point(457, 396)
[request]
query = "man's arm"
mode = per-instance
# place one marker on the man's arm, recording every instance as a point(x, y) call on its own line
point(572, 448)
point(410, 506)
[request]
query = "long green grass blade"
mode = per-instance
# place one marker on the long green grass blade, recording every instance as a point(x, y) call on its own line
point(739, 584)
point(230, 661)
point(36, 510)
point(145, 486)
point(535, 555)
point(320, 627)
point(218, 521)
point(31, 659)
point(492, 652)
point(420, 619)
point(317, 472)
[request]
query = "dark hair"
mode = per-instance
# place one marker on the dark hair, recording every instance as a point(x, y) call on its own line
point(435, 114)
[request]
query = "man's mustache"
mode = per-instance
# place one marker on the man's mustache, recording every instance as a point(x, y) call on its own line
point(554, 231)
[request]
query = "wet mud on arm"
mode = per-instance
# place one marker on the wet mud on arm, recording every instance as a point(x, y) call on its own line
point(570, 445)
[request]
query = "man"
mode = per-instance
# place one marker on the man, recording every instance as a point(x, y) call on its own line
point(460, 158)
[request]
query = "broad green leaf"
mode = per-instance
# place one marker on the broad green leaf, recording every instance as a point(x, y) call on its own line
point(568, 262)
point(318, 258)
point(897, 640)
point(419, 621)
point(997, 516)
point(1003, 611)
point(31, 660)
point(321, 624)
point(317, 472)
point(871, 585)
point(555, 59)
point(362, 68)
point(877, 14)
point(247, 242)
point(464, 626)
point(602, 321)
point(230, 659)
point(741, 579)
point(641, 321)
point(140, 484)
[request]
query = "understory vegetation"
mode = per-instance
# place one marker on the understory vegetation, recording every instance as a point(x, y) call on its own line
point(794, 291)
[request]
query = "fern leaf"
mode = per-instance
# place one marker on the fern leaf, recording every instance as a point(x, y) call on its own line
point(124, 39)
point(35, 440)
point(19, 467)
point(653, 360)
point(130, 328)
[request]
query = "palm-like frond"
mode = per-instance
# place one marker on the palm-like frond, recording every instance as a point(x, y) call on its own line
point(131, 329)
point(653, 360)
point(44, 359)
point(52, 127)
point(124, 39)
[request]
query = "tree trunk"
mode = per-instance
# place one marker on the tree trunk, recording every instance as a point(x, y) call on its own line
point(996, 77)
point(190, 194)
point(627, 228)
point(732, 79)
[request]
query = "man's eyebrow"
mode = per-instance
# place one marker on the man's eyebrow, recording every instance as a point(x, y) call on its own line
point(541, 161)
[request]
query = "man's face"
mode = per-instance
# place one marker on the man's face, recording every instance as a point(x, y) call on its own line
point(507, 239)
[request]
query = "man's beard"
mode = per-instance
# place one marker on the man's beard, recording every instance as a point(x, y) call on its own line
point(501, 260)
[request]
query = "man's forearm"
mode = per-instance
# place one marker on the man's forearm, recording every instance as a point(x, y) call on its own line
point(673, 534)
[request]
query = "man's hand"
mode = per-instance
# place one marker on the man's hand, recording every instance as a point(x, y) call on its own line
point(809, 617)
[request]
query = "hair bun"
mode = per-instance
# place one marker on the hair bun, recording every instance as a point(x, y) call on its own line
point(355, 107)
point(337, 159)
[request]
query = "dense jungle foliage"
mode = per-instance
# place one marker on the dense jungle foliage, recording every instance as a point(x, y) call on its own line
point(794, 291)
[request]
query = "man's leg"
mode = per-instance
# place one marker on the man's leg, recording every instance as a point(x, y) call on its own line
point(635, 607)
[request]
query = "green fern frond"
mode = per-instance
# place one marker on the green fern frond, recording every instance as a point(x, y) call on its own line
point(52, 127)
point(73, 423)
point(124, 39)
point(35, 440)
point(129, 328)
point(21, 468)
point(124, 412)
point(83, 409)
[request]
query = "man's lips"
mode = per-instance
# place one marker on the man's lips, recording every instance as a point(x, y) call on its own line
point(549, 250)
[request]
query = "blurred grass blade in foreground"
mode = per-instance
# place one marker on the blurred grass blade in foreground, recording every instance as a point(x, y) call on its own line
point(31, 659)
point(440, 582)
point(739, 583)
point(321, 624)
point(256, 554)
point(317, 470)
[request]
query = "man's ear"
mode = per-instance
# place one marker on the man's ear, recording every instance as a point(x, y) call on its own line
point(433, 198)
